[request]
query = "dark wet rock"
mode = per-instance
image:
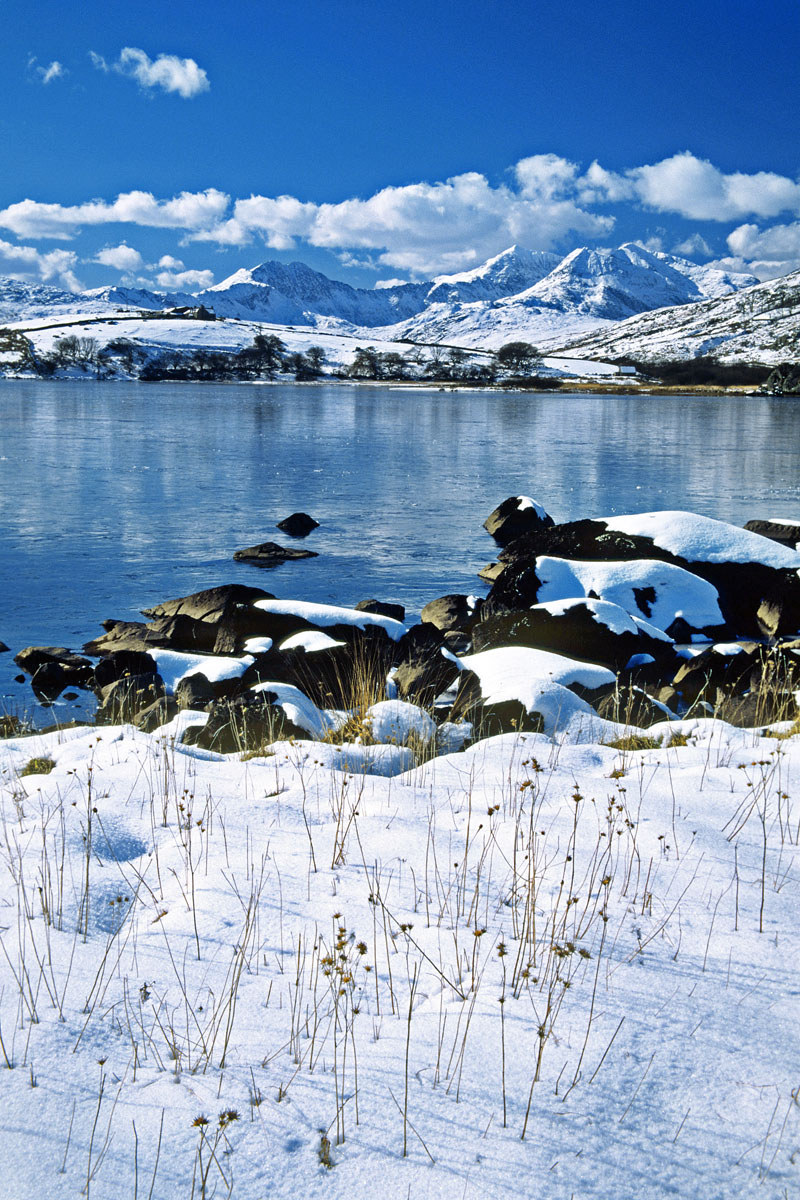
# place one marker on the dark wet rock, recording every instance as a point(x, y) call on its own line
point(123, 698)
point(156, 714)
point(514, 517)
point(785, 532)
point(195, 691)
point(270, 554)
point(121, 663)
point(298, 525)
point(382, 608)
point(4, 648)
point(244, 724)
point(452, 612)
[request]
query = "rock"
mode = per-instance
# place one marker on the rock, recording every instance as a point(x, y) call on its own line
point(195, 691)
point(270, 554)
point(156, 714)
point(121, 663)
point(33, 657)
point(738, 563)
point(491, 572)
point(421, 670)
point(631, 706)
point(515, 516)
point(298, 525)
point(53, 668)
point(676, 601)
point(4, 648)
point(382, 609)
point(786, 532)
point(244, 724)
point(211, 605)
point(591, 630)
point(179, 632)
point(452, 612)
point(123, 698)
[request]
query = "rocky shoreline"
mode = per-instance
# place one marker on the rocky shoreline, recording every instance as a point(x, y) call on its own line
point(633, 620)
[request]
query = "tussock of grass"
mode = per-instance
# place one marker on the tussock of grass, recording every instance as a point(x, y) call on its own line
point(38, 766)
point(634, 741)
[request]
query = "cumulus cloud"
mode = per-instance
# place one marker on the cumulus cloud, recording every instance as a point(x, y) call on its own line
point(695, 244)
point(185, 280)
point(121, 258)
point(693, 187)
point(187, 211)
point(427, 229)
point(388, 283)
point(422, 228)
point(28, 264)
point(167, 71)
point(767, 252)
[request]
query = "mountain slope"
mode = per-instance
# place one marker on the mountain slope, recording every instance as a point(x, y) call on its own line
point(759, 324)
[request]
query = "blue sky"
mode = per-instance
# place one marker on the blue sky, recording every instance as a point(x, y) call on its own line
point(174, 143)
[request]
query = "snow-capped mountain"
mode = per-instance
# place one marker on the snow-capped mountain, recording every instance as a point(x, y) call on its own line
point(506, 274)
point(18, 300)
point(292, 293)
point(516, 295)
point(758, 324)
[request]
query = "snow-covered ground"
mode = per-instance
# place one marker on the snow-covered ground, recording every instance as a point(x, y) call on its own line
point(543, 966)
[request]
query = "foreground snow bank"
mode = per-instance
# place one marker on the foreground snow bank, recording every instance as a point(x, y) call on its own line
point(535, 967)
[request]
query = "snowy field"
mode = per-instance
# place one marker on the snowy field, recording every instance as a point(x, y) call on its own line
point(543, 966)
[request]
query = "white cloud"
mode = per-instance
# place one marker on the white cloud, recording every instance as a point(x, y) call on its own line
point(167, 71)
point(187, 211)
point(422, 228)
point(695, 188)
point(767, 252)
point(54, 70)
point(185, 280)
point(388, 283)
point(121, 258)
point(427, 229)
point(30, 265)
point(695, 244)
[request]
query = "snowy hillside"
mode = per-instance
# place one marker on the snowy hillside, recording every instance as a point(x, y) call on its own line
point(760, 324)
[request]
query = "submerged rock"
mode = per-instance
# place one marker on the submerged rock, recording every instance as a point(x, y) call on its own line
point(270, 554)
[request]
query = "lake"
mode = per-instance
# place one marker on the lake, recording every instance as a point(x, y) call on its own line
point(115, 496)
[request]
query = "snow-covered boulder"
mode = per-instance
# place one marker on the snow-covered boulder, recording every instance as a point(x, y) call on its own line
point(756, 579)
point(595, 631)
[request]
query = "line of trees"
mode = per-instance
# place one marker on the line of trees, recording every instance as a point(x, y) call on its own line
point(267, 356)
